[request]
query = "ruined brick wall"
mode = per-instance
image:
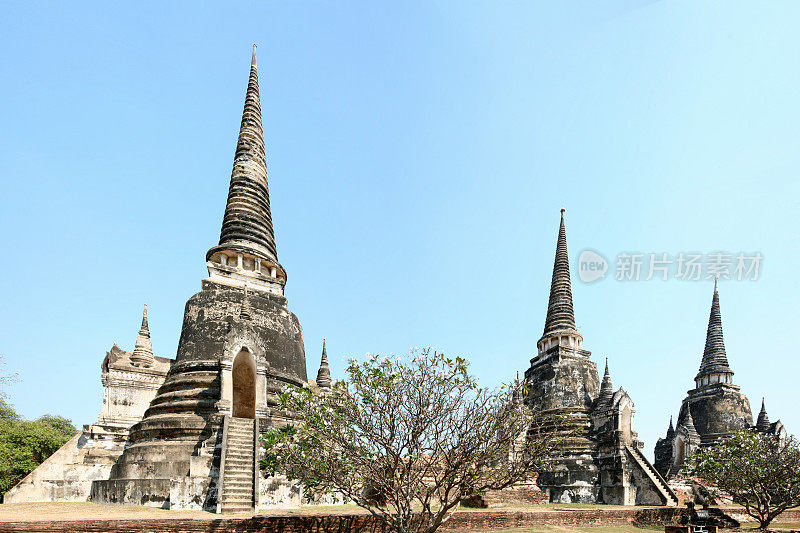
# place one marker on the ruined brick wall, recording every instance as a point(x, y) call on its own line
point(523, 494)
point(355, 523)
point(462, 521)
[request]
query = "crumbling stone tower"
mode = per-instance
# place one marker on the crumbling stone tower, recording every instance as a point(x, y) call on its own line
point(196, 446)
point(563, 381)
point(601, 459)
point(713, 409)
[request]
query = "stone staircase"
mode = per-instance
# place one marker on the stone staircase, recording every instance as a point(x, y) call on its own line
point(238, 467)
point(660, 483)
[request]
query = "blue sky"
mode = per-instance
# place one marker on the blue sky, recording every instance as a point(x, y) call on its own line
point(418, 157)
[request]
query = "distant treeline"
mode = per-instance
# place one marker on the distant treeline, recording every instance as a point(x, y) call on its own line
point(25, 444)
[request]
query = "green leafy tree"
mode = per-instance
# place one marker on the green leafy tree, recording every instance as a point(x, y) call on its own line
point(407, 439)
point(7, 413)
point(759, 472)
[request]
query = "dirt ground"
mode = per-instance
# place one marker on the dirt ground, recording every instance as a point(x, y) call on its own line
point(95, 511)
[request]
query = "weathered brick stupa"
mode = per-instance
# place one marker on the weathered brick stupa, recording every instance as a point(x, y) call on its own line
point(602, 460)
point(712, 410)
point(196, 446)
point(130, 380)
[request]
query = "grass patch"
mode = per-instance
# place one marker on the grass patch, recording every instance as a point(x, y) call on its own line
point(752, 526)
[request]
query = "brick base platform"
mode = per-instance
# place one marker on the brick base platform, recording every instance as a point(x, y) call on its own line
point(462, 521)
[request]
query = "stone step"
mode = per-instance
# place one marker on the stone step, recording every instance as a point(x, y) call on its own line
point(238, 461)
point(238, 474)
point(237, 509)
point(237, 487)
point(238, 481)
point(239, 452)
point(241, 449)
point(238, 502)
point(239, 468)
point(242, 496)
point(241, 481)
point(238, 471)
point(237, 494)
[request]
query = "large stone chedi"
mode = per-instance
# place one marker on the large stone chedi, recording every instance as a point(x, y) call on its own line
point(602, 460)
point(196, 446)
point(713, 409)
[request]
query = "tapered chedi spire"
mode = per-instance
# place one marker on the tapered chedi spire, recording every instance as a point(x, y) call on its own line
point(606, 388)
point(762, 424)
point(560, 321)
point(715, 361)
point(688, 423)
point(143, 352)
point(239, 346)
point(247, 239)
point(324, 374)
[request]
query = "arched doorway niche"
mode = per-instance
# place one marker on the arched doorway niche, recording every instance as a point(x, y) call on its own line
point(244, 385)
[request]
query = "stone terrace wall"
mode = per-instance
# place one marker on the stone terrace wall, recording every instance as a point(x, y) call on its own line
point(525, 494)
point(462, 521)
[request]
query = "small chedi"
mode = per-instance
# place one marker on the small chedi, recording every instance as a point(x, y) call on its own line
point(714, 409)
point(130, 381)
point(602, 461)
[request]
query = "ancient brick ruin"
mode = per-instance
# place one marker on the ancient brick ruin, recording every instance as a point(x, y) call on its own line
point(130, 381)
point(713, 409)
point(602, 460)
point(184, 433)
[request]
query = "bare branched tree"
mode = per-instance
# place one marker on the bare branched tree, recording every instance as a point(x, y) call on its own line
point(5, 378)
point(408, 439)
